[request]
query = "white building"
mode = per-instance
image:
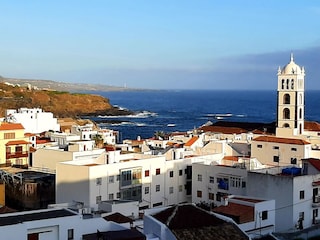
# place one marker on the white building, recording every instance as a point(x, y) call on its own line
point(151, 180)
point(293, 193)
point(254, 216)
point(34, 120)
point(52, 224)
point(211, 183)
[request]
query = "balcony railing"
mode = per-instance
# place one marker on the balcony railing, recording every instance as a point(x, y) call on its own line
point(16, 155)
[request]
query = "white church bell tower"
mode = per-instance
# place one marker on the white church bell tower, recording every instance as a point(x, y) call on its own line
point(290, 104)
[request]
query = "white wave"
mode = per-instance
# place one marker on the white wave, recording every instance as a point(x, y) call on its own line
point(143, 114)
point(122, 124)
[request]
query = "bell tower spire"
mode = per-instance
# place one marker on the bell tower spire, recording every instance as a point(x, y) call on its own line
point(290, 103)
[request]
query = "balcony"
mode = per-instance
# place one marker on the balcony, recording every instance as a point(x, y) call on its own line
point(10, 155)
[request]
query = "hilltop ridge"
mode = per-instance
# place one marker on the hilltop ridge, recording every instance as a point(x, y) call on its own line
point(62, 86)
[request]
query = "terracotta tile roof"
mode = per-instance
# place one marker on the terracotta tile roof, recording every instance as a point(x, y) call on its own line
point(231, 158)
point(221, 129)
point(16, 142)
point(10, 126)
point(267, 128)
point(238, 212)
point(181, 221)
point(314, 162)
point(312, 126)
point(29, 134)
point(294, 141)
point(191, 141)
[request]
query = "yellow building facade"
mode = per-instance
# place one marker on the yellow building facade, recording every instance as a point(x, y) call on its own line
point(14, 145)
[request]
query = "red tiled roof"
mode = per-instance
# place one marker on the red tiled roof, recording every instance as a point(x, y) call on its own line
point(191, 141)
point(240, 213)
point(312, 126)
point(29, 134)
point(315, 163)
point(10, 126)
point(16, 142)
point(221, 129)
point(281, 140)
point(231, 158)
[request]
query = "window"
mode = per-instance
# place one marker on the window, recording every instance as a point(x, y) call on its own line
point(157, 188)
point(171, 173)
point(118, 177)
point(180, 172)
point(294, 149)
point(211, 196)
point(235, 182)
point(199, 177)
point(170, 190)
point(146, 190)
point(98, 181)
point(199, 194)
point(276, 158)
point(180, 188)
point(146, 173)
point(111, 179)
point(243, 184)
point(158, 171)
point(18, 149)
point(70, 234)
point(301, 215)
point(211, 179)
point(98, 199)
point(286, 99)
point(301, 195)
point(9, 135)
point(286, 113)
point(293, 160)
point(118, 195)
point(275, 147)
point(111, 196)
point(264, 215)
point(259, 146)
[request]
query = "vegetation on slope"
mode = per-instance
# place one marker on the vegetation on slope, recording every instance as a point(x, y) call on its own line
point(61, 104)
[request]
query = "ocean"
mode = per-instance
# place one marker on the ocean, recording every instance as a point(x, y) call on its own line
point(173, 110)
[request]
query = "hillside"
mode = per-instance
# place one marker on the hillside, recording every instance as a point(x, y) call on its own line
point(61, 104)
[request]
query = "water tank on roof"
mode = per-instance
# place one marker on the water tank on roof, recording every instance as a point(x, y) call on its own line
point(295, 171)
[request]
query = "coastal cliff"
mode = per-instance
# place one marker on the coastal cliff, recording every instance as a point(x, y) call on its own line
point(61, 104)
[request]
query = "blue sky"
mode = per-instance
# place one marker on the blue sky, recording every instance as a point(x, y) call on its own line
point(170, 44)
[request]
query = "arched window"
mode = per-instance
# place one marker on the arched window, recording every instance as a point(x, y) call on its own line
point(300, 98)
point(286, 98)
point(286, 113)
point(300, 113)
point(282, 84)
point(292, 84)
point(287, 83)
point(286, 125)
